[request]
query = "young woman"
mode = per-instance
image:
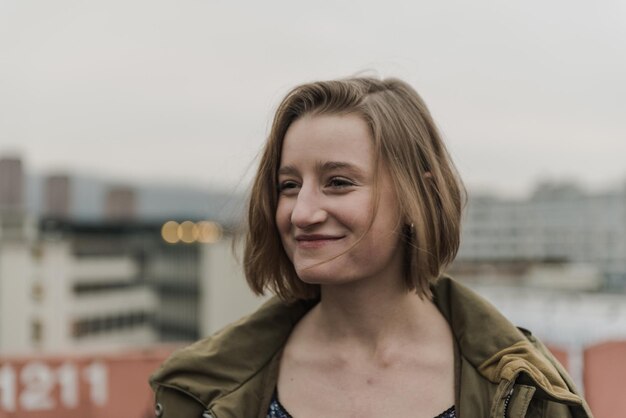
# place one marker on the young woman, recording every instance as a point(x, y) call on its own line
point(354, 213)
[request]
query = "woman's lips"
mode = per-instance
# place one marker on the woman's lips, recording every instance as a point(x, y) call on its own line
point(316, 241)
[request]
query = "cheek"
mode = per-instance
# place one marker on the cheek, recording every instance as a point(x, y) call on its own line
point(283, 224)
point(283, 217)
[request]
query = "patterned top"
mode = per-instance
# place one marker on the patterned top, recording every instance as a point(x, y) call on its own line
point(278, 411)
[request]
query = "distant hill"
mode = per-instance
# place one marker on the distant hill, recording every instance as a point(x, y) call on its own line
point(155, 202)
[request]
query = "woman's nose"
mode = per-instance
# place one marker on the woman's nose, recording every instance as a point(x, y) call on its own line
point(308, 209)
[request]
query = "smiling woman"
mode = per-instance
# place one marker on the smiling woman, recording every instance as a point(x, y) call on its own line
point(354, 214)
point(326, 200)
point(394, 133)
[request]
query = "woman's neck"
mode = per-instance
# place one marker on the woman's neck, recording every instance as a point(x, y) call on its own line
point(373, 314)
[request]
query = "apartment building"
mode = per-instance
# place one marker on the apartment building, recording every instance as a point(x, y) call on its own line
point(557, 224)
point(68, 285)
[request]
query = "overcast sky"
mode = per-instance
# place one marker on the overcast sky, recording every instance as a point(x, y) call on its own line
point(183, 91)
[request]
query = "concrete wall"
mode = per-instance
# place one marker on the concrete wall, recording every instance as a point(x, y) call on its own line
point(225, 293)
point(15, 296)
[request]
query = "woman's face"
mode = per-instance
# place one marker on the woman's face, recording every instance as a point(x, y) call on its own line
point(326, 197)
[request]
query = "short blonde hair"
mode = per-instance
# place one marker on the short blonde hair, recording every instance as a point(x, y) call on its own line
point(429, 191)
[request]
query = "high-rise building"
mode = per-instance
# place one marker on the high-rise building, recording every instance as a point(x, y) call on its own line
point(11, 184)
point(121, 203)
point(57, 196)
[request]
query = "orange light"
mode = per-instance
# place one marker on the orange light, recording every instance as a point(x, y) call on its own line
point(169, 232)
point(209, 232)
point(188, 232)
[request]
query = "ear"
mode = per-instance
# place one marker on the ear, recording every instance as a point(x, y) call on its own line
point(428, 175)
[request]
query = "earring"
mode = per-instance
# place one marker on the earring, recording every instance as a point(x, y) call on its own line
point(409, 230)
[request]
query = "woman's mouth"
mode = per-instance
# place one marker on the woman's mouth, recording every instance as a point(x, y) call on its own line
point(315, 240)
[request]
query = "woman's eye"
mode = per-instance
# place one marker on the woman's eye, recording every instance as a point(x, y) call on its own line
point(340, 182)
point(287, 186)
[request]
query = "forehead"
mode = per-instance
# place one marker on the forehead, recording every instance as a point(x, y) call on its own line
point(321, 138)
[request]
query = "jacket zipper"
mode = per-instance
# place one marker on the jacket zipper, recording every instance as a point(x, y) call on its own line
point(506, 403)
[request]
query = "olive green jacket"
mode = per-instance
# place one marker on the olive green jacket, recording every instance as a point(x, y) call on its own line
point(501, 371)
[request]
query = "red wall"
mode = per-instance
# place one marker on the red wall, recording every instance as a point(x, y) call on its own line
point(89, 386)
point(605, 379)
point(115, 385)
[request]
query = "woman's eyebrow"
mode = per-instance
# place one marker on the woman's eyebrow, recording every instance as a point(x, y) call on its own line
point(287, 169)
point(337, 165)
point(322, 167)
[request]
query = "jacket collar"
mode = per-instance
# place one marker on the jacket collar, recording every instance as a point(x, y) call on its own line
point(236, 366)
point(499, 352)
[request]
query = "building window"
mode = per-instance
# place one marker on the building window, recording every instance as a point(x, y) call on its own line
point(37, 292)
point(36, 331)
point(110, 323)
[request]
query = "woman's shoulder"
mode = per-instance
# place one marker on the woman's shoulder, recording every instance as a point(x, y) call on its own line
point(217, 365)
point(498, 351)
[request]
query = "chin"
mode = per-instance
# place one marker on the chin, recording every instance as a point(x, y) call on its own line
point(321, 275)
point(310, 277)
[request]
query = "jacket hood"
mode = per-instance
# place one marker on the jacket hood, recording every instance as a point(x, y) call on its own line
point(232, 361)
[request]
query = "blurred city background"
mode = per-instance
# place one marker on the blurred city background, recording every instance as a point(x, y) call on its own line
point(128, 136)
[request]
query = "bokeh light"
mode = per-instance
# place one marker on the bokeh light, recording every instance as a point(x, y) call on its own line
point(169, 232)
point(209, 232)
point(188, 232)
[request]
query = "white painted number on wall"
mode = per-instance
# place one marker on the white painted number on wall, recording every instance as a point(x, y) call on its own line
point(68, 380)
point(37, 383)
point(96, 374)
point(7, 388)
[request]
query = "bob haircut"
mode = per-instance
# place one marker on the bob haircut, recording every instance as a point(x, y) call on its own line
point(429, 191)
